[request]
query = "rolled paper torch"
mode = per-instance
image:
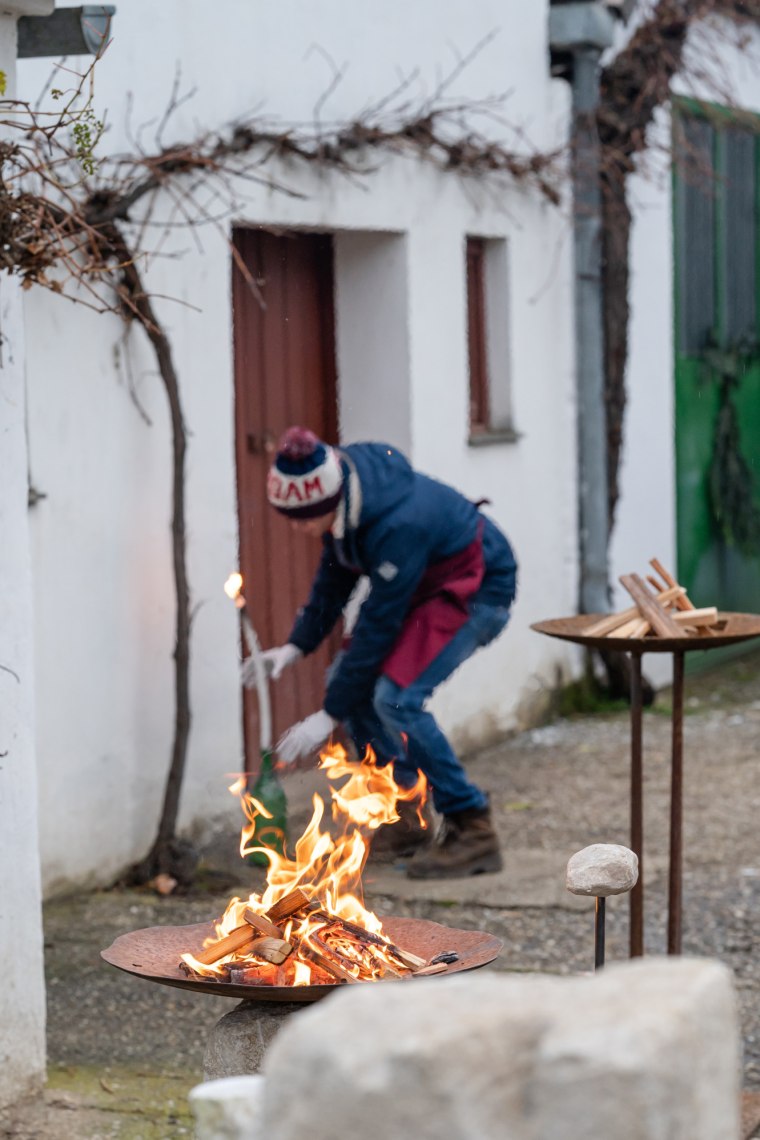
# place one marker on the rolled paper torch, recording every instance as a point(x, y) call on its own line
point(233, 588)
point(601, 870)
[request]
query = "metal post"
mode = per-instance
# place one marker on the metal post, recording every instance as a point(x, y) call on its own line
point(676, 809)
point(601, 906)
point(637, 811)
point(578, 34)
point(591, 427)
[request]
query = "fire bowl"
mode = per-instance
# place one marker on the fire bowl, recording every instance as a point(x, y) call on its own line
point(154, 953)
point(730, 629)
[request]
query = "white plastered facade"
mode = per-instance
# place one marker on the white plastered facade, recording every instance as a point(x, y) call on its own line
point(101, 548)
point(22, 996)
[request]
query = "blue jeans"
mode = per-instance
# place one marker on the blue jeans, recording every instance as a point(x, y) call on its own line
point(395, 709)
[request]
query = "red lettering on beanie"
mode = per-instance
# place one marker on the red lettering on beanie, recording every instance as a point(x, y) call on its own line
point(274, 485)
point(314, 485)
point(292, 492)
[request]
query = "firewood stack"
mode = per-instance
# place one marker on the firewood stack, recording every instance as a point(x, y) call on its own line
point(661, 609)
point(268, 948)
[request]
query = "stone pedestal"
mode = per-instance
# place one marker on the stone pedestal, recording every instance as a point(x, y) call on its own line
point(239, 1041)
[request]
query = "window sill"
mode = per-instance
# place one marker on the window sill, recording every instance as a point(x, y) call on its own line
point(487, 438)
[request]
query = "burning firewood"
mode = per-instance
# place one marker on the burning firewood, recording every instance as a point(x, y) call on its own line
point(662, 609)
point(412, 961)
point(258, 975)
point(274, 950)
point(239, 939)
point(261, 924)
point(325, 959)
point(317, 933)
point(288, 905)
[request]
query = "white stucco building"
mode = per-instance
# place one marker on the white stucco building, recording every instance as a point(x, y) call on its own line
point(22, 998)
point(398, 237)
point(393, 244)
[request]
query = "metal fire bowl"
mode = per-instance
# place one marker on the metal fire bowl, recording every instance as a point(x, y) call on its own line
point(154, 953)
point(730, 628)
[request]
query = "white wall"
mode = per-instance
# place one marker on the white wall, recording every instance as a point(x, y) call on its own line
point(104, 645)
point(22, 994)
point(372, 337)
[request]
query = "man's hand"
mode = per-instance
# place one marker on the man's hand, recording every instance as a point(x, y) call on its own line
point(275, 662)
point(305, 737)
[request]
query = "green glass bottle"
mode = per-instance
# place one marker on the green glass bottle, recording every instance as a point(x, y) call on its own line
point(267, 789)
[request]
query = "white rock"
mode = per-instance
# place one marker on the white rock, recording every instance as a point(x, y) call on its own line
point(602, 869)
point(228, 1109)
point(644, 1050)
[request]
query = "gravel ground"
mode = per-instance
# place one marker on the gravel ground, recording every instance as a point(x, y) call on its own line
point(123, 1053)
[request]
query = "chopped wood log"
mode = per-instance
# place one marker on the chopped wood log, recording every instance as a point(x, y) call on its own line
point(604, 626)
point(326, 962)
point(264, 975)
point(367, 943)
point(238, 939)
point(629, 627)
point(317, 939)
point(274, 950)
point(708, 615)
point(288, 904)
point(434, 968)
point(649, 608)
point(261, 924)
point(682, 603)
point(405, 956)
point(641, 629)
point(411, 960)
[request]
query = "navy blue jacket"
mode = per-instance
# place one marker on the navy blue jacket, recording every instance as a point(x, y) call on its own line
point(392, 524)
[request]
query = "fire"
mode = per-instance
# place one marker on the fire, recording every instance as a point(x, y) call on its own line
point(233, 587)
point(313, 901)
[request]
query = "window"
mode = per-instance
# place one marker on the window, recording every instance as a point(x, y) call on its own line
point(488, 342)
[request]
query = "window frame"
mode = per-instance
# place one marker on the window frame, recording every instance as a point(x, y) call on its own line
point(485, 258)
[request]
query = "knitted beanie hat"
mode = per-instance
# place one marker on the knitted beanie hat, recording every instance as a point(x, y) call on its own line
point(305, 480)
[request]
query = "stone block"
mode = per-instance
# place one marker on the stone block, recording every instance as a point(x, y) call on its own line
point(227, 1109)
point(602, 869)
point(643, 1050)
point(239, 1041)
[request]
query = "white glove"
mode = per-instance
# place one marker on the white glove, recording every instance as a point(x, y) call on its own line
point(305, 737)
point(275, 661)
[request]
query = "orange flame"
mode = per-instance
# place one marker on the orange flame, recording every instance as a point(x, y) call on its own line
point(233, 588)
point(327, 867)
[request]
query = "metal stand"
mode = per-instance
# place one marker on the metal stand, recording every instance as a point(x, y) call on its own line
point(675, 873)
point(637, 809)
point(601, 907)
point(675, 879)
point(731, 629)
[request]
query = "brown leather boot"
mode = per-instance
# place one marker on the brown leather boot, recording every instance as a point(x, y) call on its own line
point(404, 837)
point(466, 845)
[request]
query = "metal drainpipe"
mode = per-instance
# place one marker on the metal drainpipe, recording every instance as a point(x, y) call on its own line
point(581, 32)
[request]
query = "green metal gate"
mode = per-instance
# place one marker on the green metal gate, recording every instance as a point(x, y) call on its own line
point(716, 183)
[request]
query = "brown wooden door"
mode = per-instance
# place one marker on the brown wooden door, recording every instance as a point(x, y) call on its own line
point(284, 374)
